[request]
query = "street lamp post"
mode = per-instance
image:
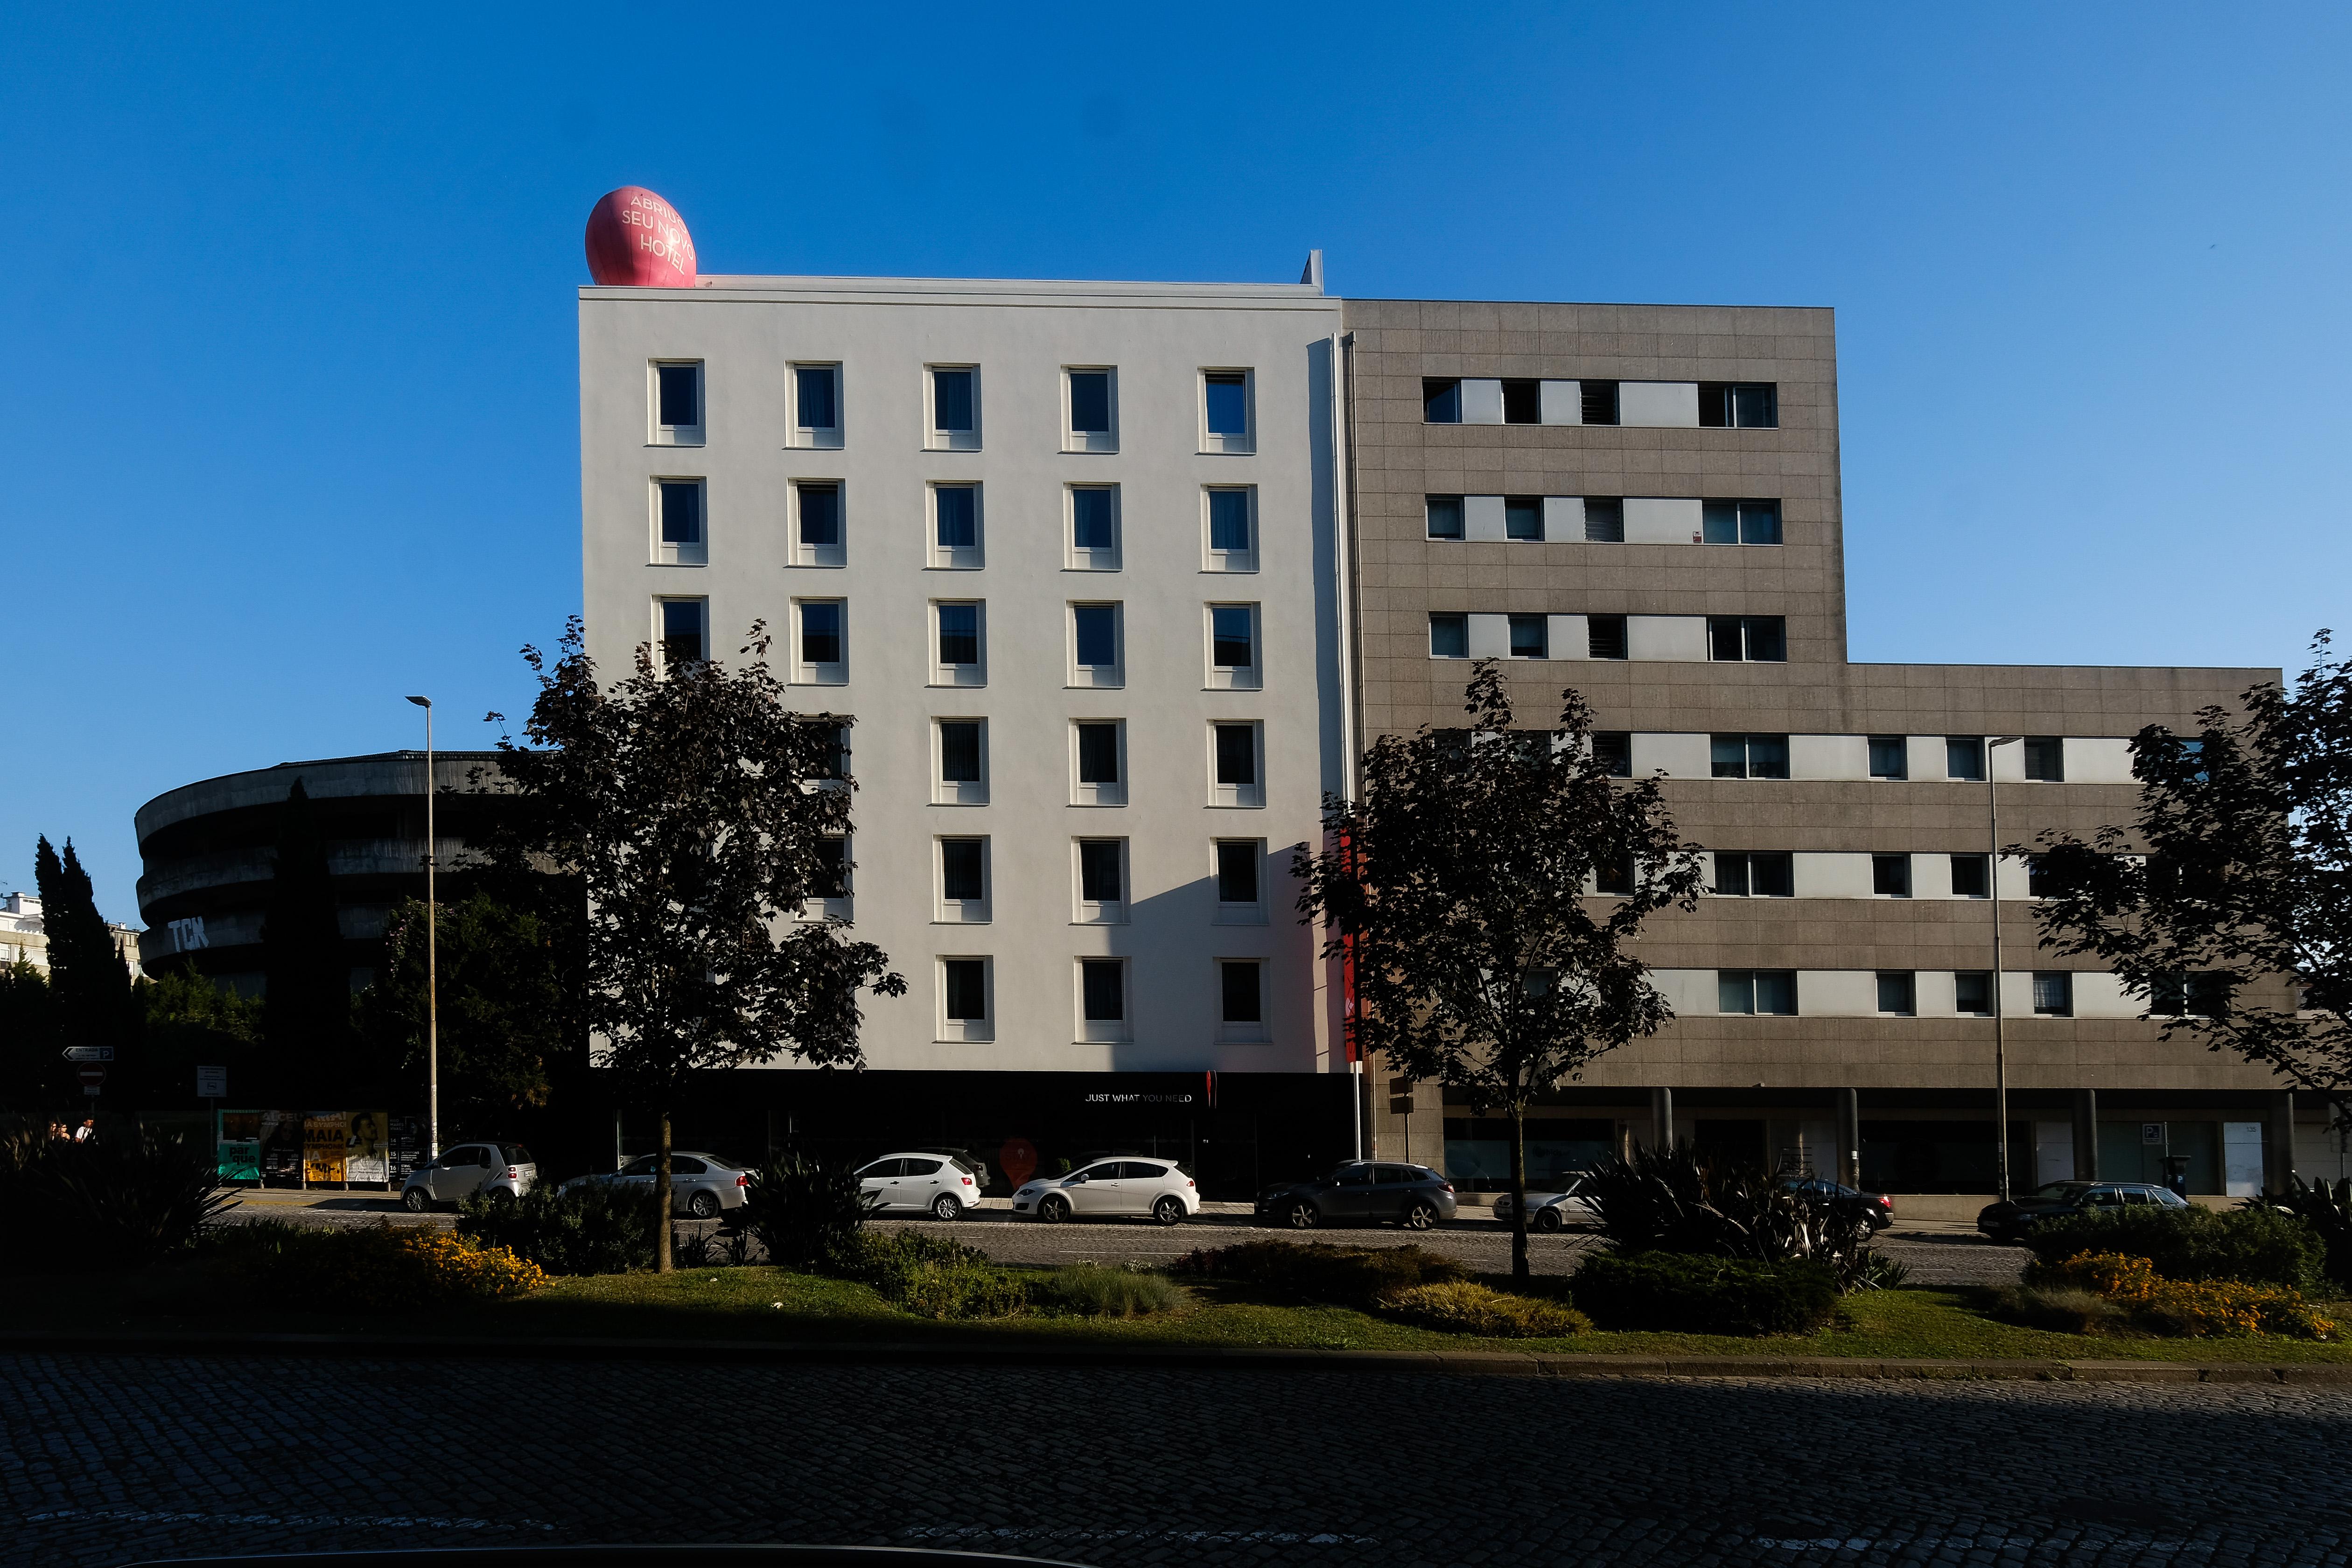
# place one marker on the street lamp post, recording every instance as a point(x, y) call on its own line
point(432, 955)
point(1999, 1024)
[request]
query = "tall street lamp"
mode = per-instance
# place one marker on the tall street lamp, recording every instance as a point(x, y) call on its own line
point(1999, 1028)
point(432, 956)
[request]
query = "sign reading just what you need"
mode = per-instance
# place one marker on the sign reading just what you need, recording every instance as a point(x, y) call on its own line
point(637, 241)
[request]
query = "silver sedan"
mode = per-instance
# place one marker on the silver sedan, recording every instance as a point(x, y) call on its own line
point(700, 1184)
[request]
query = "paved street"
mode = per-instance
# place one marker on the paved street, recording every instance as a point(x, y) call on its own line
point(104, 1459)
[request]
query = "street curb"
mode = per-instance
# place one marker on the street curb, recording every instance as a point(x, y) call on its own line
point(1478, 1363)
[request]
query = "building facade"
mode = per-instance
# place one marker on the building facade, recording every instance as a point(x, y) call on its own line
point(24, 935)
point(1116, 581)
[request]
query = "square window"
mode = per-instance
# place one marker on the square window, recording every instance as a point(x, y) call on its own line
point(1614, 877)
point(1727, 756)
point(1730, 875)
point(1604, 520)
point(823, 645)
point(1723, 642)
point(1095, 653)
point(1972, 993)
point(2054, 993)
point(1236, 776)
point(1233, 646)
point(1530, 636)
point(1759, 522)
point(832, 760)
point(2045, 759)
point(1604, 637)
point(962, 775)
point(679, 523)
point(2041, 880)
point(1449, 636)
point(1440, 402)
point(1897, 993)
point(1775, 992)
point(1522, 402)
point(1719, 521)
point(1771, 874)
point(965, 984)
point(1968, 877)
point(1099, 759)
point(816, 405)
point(1600, 401)
point(678, 404)
point(1735, 991)
point(1767, 756)
point(1444, 517)
point(683, 627)
point(1613, 751)
point(1745, 405)
point(1093, 401)
point(954, 398)
point(1890, 876)
point(1964, 757)
point(1093, 528)
point(956, 542)
point(1523, 518)
point(1239, 987)
point(1233, 529)
point(1757, 639)
point(1225, 411)
point(1890, 757)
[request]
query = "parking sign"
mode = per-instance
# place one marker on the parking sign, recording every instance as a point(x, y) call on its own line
point(212, 1083)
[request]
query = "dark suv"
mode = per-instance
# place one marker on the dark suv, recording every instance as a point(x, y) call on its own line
point(1361, 1192)
point(2010, 1221)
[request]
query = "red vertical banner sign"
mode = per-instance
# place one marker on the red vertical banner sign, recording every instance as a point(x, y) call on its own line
point(1347, 965)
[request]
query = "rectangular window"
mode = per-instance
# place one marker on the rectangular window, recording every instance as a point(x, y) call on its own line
point(963, 992)
point(963, 763)
point(1755, 639)
point(1740, 405)
point(956, 527)
point(1233, 646)
point(1093, 528)
point(1522, 402)
point(2054, 993)
point(1531, 637)
point(1599, 400)
point(2041, 882)
point(1233, 529)
point(2178, 994)
point(684, 630)
point(1102, 778)
point(1449, 636)
point(962, 870)
point(1890, 757)
point(822, 639)
point(1225, 424)
point(1237, 779)
point(1239, 986)
point(1969, 879)
point(1604, 520)
point(1898, 993)
point(1756, 874)
point(677, 506)
point(1972, 993)
point(816, 405)
point(678, 404)
point(1890, 876)
point(1604, 637)
point(832, 761)
point(1964, 757)
point(1090, 403)
point(1749, 756)
point(1765, 991)
point(2045, 759)
point(1740, 521)
point(1101, 880)
point(1237, 871)
point(1440, 402)
point(1613, 750)
point(1095, 653)
point(1523, 518)
point(955, 408)
point(817, 535)
point(1102, 990)
point(958, 634)
point(830, 878)
point(1614, 877)
point(1444, 517)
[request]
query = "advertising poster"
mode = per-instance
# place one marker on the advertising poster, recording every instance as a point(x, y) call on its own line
point(282, 1146)
point(407, 1150)
point(236, 1143)
point(323, 1140)
point(367, 1146)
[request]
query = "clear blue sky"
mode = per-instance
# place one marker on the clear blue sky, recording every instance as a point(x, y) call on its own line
point(289, 413)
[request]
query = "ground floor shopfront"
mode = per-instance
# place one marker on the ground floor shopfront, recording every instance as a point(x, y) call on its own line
point(1235, 1131)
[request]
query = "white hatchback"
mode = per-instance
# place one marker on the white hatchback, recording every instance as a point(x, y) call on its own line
point(939, 1183)
point(1108, 1188)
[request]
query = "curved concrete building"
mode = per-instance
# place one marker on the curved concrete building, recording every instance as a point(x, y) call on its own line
point(209, 851)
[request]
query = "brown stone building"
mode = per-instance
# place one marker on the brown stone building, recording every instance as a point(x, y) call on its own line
point(1642, 502)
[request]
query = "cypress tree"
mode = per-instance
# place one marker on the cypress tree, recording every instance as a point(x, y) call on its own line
point(305, 1019)
point(89, 984)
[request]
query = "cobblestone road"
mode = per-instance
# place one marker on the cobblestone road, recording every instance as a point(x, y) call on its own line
point(107, 1460)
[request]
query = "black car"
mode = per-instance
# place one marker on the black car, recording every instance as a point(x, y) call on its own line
point(2010, 1221)
point(1876, 1207)
point(1361, 1191)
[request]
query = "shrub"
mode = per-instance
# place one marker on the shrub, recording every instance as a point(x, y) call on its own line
point(2203, 1308)
point(117, 1201)
point(1465, 1307)
point(1092, 1290)
point(2113, 1274)
point(2327, 1208)
point(933, 1277)
point(1669, 1200)
point(2061, 1308)
point(1705, 1295)
point(807, 1214)
point(376, 1268)
point(595, 1228)
point(2257, 1245)
point(1318, 1271)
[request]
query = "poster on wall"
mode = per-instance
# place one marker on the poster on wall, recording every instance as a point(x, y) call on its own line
point(282, 1146)
point(367, 1146)
point(324, 1142)
point(236, 1145)
point(407, 1146)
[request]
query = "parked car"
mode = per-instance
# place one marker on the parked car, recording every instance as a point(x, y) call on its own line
point(1361, 1191)
point(2010, 1221)
point(1876, 1207)
point(1125, 1186)
point(700, 1184)
point(946, 1184)
point(494, 1169)
point(1553, 1210)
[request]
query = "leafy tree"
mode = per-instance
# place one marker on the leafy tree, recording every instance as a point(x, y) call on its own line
point(89, 984)
point(32, 1068)
point(503, 1007)
point(2229, 902)
point(701, 816)
point(1458, 887)
point(186, 1021)
point(306, 1023)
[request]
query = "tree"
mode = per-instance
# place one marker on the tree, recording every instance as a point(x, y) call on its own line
point(32, 1068)
point(187, 1020)
point(89, 983)
point(2229, 903)
point(701, 816)
point(503, 1007)
point(1457, 888)
point(307, 1015)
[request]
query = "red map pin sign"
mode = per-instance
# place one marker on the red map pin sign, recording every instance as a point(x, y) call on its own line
point(1019, 1159)
point(636, 239)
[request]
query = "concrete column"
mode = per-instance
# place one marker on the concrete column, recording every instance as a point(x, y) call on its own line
point(1849, 1137)
point(2278, 1142)
point(2086, 1134)
point(1661, 1118)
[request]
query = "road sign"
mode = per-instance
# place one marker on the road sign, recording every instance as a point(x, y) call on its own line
point(2151, 1134)
point(89, 1053)
point(212, 1083)
point(93, 1078)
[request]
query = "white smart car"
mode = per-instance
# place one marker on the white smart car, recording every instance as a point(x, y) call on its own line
point(900, 1183)
point(1553, 1211)
point(1128, 1186)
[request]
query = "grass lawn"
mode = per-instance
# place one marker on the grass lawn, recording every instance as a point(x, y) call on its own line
point(761, 1303)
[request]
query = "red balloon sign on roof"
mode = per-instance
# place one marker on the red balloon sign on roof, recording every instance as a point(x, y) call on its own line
point(636, 239)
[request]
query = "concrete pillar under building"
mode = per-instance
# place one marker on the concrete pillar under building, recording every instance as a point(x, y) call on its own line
point(2086, 1134)
point(2278, 1142)
point(1849, 1137)
point(1661, 1118)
